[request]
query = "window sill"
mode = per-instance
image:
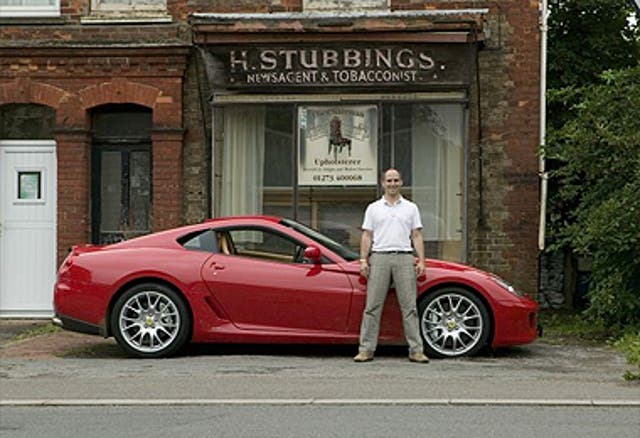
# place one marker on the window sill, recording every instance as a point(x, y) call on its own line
point(127, 18)
point(27, 21)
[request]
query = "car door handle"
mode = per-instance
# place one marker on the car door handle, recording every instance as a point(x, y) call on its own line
point(216, 266)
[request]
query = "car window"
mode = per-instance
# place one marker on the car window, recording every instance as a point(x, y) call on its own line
point(205, 240)
point(265, 245)
point(326, 241)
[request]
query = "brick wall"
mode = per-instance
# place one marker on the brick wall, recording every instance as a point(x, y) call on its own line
point(504, 131)
point(54, 69)
point(503, 219)
point(197, 143)
point(72, 82)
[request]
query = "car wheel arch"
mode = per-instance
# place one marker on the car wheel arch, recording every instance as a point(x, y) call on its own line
point(425, 294)
point(142, 280)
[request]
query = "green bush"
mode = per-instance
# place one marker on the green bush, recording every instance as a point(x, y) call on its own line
point(562, 326)
point(630, 345)
point(569, 326)
point(599, 178)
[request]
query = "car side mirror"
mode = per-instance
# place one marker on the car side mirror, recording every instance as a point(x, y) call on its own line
point(312, 253)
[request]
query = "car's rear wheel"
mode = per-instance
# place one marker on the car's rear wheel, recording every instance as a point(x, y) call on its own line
point(453, 322)
point(150, 320)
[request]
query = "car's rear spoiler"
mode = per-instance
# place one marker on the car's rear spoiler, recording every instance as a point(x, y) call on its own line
point(84, 248)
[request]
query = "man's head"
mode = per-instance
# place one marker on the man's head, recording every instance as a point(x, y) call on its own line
point(391, 182)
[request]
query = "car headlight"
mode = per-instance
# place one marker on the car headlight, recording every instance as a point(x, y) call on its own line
point(503, 284)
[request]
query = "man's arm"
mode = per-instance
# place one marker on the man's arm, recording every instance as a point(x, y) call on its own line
point(418, 245)
point(365, 246)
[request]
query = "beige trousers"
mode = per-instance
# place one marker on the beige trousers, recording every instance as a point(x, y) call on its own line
point(383, 267)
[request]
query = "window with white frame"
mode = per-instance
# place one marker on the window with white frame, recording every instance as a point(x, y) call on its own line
point(129, 6)
point(29, 8)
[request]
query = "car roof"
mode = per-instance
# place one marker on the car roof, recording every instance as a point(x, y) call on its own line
point(168, 238)
point(275, 219)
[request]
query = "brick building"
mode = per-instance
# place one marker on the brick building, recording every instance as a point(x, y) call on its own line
point(121, 119)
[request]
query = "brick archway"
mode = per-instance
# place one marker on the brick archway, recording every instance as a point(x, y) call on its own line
point(167, 137)
point(74, 147)
point(119, 91)
point(65, 104)
point(26, 90)
point(71, 152)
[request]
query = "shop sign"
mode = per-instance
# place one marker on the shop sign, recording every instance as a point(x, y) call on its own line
point(259, 67)
point(338, 145)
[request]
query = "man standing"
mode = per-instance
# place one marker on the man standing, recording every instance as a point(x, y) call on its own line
point(391, 224)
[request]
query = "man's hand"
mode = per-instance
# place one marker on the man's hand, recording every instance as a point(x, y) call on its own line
point(364, 268)
point(418, 245)
point(365, 247)
point(420, 267)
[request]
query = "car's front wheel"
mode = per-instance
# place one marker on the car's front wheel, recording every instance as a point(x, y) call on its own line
point(150, 320)
point(453, 322)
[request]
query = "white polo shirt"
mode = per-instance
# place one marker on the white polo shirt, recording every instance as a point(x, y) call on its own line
point(391, 224)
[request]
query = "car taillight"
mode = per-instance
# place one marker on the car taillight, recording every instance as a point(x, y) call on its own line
point(68, 262)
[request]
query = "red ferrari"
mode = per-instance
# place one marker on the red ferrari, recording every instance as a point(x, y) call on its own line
point(267, 279)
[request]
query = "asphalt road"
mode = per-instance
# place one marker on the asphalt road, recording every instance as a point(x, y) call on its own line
point(534, 373)
point(320, 421)
point(66, 384)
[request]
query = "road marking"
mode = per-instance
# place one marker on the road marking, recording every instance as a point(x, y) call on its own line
point(319, 402)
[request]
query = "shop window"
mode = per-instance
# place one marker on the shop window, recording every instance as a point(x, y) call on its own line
point(257, 160)
point(29, 8)
point(425, 142)
point(121, 173)
point(338, 167)
point(327, 173)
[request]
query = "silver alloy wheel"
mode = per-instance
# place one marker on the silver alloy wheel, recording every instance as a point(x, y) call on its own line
point(149, 321)
point(452, 324)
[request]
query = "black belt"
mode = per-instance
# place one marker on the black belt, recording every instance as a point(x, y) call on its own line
point(392, 252)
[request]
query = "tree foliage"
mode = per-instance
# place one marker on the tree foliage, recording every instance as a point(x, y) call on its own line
point(587, 37)
point(593, 147)
point(599, 176)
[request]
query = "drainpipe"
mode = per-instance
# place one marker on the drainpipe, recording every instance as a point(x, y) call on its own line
point(544, 177)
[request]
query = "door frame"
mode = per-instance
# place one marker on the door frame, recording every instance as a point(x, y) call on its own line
point(34, 146)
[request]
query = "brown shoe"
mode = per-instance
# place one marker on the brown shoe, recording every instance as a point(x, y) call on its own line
point(363, 356)
point(418, 357)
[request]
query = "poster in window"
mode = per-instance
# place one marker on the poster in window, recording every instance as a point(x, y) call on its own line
point(338, 145)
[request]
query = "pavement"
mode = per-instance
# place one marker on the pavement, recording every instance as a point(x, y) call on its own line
point(66, 368)
point(11, 328)
point(37, 339)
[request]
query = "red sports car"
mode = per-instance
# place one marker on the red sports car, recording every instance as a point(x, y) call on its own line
point(264, 279)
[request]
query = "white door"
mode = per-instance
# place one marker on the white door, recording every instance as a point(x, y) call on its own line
point(27, 227)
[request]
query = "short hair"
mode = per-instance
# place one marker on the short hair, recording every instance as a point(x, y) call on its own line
point(385, 172)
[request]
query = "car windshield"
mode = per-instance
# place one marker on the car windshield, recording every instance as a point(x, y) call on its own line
point(331, 244)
